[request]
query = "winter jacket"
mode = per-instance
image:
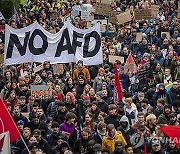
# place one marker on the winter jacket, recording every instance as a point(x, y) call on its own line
point(66, 127)
point(113, 120)
point(84, 70)
point(128, 131)
point(109, 142)
point(162, 94)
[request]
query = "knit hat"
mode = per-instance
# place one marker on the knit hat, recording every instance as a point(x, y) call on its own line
point(55, 124)
point(106, 66)
point(99, 93)
point(20, 122)
point(87, 100)
point(58, 96)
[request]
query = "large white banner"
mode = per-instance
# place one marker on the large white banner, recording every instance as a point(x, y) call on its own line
point(70, 44)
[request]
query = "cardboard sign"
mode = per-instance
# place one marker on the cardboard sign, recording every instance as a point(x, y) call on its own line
point(106, 1)
point(1, 58)
point(139, 37)
point(85, 15)
point(103, 9)
point(123, 17)
point(58, 69)
point(167, 35)
point(128, 68)
point(38, 68)
point(112, 59)
point(142, 14)
point(112, 17)
point(75, 12)
point(41, 91)
point(154, 10)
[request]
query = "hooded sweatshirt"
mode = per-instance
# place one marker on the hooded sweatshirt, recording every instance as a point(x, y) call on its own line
point(126, 131)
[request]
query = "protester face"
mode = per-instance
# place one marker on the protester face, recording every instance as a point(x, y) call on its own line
point(141, 119)
point(167, 110)
point(32, 140)
point(156, 148)
point(40, 112)
point(72, 121)
point(85, 135)
point(87, 118)
point(36, 121)
point(55, 129)
point(68, 99)
point(173, 120)
point(105, 93)
point(175, 85)
point(129, 150)
point(26, 133)
point(111, 132)
point(167, 72)
point(100, 118)
point(172, 145)
point(94, 107)
point(17, 110)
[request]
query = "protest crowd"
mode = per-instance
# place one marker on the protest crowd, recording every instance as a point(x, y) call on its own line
point(81, 111)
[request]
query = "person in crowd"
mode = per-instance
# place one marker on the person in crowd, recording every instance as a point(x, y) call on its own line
point(113, 116)
point(111, 137)
point(43, 144)
point(68, 125)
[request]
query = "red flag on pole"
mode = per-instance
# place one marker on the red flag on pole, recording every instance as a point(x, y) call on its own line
point(7, 123)
point(173, 132)
point(130, 61)
point(117, 86)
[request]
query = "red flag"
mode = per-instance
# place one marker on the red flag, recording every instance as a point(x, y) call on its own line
point(130, 61)
point(117, 86)
point(7, 123)
point(145, 149)
point(173, 132)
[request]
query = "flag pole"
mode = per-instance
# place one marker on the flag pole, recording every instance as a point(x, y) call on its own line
point(25, 144)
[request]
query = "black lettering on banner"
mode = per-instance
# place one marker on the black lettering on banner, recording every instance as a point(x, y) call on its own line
point(38, 51)
point(13, 40)
point(75, 42)
point(86, 53)
point(61, 47)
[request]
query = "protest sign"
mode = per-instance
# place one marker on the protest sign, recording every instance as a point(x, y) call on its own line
point(112, 59)
point(75, 11)
point(167, 35)
point(41, 91)
point(112, 17)
point(38, 68)
point(154, 10)
point(106, 1)
point(103, 9)
point(142, 14)
point(123, 17)
point(58, 69)
point(139, 36)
